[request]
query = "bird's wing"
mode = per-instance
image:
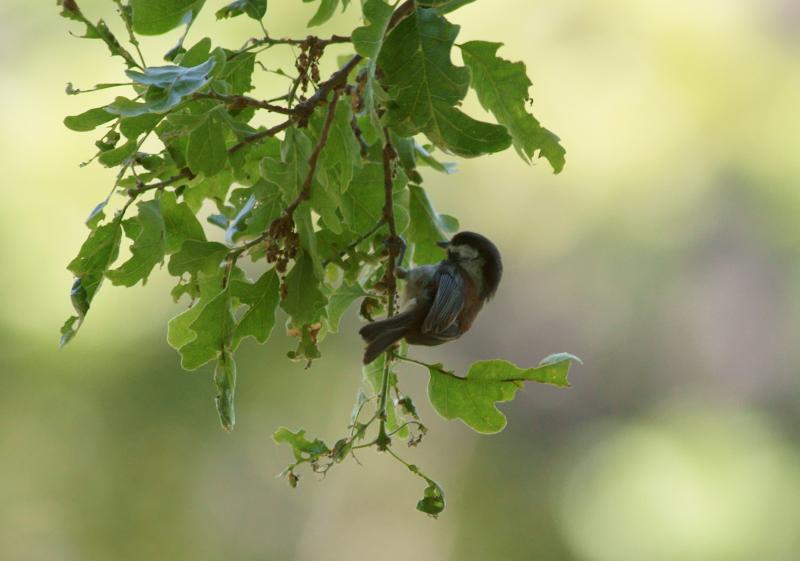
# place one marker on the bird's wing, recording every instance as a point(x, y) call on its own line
point(447, 302)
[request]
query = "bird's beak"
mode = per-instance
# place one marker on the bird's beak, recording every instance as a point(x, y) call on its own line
point(443, 244)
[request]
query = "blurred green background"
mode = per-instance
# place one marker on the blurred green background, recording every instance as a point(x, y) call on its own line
point(666, 256)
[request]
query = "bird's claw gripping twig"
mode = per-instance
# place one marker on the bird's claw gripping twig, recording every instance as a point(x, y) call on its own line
point(397, 246)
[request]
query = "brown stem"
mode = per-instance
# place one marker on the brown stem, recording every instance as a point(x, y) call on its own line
point(239, 101)
point(185, 173)
point(269, 41)
point(302, 112)
point(337, 80)
point(389, 154)
point(299, 116)
point(255, 137)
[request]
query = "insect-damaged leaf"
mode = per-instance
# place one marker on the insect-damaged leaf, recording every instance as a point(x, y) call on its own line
point(472, 398)
point(96, 255)
point(502, 88)
point(255, 9)
point(154, 17)
point(304, 301)
point(204, 331)
point(426, 86)
point(147, 232)
point(303, 448)
point(261, 297)
point(206, 152)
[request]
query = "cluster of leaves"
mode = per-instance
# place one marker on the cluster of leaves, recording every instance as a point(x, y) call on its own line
point(310, 200)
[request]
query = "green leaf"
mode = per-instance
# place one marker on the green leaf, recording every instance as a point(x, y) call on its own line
point(197, 256)
point(427, 159)
point(303, 448)
point(89, 120)
point(171, 83)
point(326, 200)
point(98, 252)
point(212, 329)
point(133, 127)
point(362, 203)
point(239, 72)
point(472, 398)
point(154, 17)
point(324, 12)
point(425, 229)
point(290, 171)
point(115, 156)
point(180, 223)
point(206, 152)
point(341, 299)
point(342, 153)
point(68, 330)
point(460, 134)
point(502, 88)
point(237, 223)
point(225, 381)
point(425, 87)
point(307, 350)
point(197, 53)
point(418, 71)
point(432, 502)
point(262, 299)
point(304, 301)
point(99, 31)
point(96, 255)
point(179, 332)
point(256, 9)
point(308, 237)
point(443, 6)
point(368, 39)
point(267, 209)
point(147, 232)
point(215, 188)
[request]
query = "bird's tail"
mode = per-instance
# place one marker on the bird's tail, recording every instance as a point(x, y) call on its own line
point(380, 335)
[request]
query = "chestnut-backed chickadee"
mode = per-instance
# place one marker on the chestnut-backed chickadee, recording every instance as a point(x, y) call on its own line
point(443, 299)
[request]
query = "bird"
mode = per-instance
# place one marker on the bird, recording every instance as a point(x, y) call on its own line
point(443, 299)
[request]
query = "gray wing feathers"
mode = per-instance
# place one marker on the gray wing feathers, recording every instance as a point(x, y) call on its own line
point(447, 303)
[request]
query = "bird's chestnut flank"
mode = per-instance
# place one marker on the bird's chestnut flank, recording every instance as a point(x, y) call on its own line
point(442, 300)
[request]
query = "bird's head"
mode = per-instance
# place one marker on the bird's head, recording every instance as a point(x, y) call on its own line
point(478, 256)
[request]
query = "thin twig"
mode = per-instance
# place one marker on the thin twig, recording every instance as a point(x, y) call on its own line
point(389, 155)
point(302, 112)
point(255, 43)
point(185, 173)
point(239, 101)
point(337, 80)
point(255, 137)
point(357, 241)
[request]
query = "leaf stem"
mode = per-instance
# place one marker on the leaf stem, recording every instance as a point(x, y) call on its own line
point(415, 361)
point(412, 467)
